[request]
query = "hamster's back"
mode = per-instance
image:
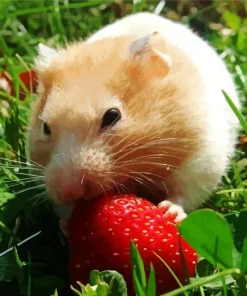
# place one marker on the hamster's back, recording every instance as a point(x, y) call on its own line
point(176, 35)
point(213, 71)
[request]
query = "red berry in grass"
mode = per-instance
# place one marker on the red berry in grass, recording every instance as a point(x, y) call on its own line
point(28, 78)
point(100, 230)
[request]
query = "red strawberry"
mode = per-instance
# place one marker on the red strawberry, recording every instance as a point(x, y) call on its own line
point(28, 78)
point(99, 234)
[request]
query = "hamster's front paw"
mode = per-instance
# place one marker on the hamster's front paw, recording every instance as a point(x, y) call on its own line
point(171, 209)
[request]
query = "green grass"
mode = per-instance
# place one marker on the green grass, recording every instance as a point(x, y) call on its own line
point(39, 266)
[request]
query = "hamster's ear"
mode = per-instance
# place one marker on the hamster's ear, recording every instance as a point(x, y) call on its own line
point(149, 52)
point(45, 56)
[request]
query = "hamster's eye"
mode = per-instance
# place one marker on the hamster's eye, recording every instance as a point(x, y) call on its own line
point(111, 117)
point(46, 129)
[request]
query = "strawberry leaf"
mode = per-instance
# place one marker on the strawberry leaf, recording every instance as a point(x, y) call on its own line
point(86, 290)
point(102, 289)
point(138, 263)
point(151, 288)
point(114, 279)
point(209, 234)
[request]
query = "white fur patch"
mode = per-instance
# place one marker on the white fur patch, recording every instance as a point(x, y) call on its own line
point(45, 55)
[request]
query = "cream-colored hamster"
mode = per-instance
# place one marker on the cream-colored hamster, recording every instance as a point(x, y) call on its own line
point(137, 106)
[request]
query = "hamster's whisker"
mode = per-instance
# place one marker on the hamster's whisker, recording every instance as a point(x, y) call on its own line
point(31, 188)
point(82, 179)
point(102, 187)
point(19, 180)
point(167, 141)
point(30, 175)
point(146, 163)
point(126, 138)
point(141, 181)
point(58, 154)
point(28, 159)
point(125, 188)
point(166, 189)
point(149, 174)
point(34, 163)
point(115, 184)
point(108, 134)
point(117, 187)
point(40, 198)
point(137, 179)
point(147, 145)
point(155, 155)
point(158, 156)
point(112, 135)
point(131, 143)
point(22, 162)
point(26, 182)
point(142, 174)
point(19, 167)
point(157, 184)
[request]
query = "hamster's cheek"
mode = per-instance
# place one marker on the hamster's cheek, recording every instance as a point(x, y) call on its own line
point(40, 154)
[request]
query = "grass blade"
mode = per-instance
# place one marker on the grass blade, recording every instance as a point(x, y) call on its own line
point(138, 5)
point(239, 115)
point(137, 285)
point(137, 261)
point(203, 281)
point(151, 288)
point(50, 8)
point(170, 270)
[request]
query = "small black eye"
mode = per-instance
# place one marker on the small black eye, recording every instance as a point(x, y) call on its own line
point(110, 118)
point(46, 129)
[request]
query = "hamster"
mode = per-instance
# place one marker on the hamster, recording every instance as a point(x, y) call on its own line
point(137, 106)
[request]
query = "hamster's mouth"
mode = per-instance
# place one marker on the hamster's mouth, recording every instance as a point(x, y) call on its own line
point(154, 194)
point(89, 192)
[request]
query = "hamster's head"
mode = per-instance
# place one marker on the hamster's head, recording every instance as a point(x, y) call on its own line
point(103, 117)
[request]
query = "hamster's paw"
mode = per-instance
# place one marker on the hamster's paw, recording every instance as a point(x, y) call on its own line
point(171, 209)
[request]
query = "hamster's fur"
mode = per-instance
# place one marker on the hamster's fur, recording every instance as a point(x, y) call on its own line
point(176, 132)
